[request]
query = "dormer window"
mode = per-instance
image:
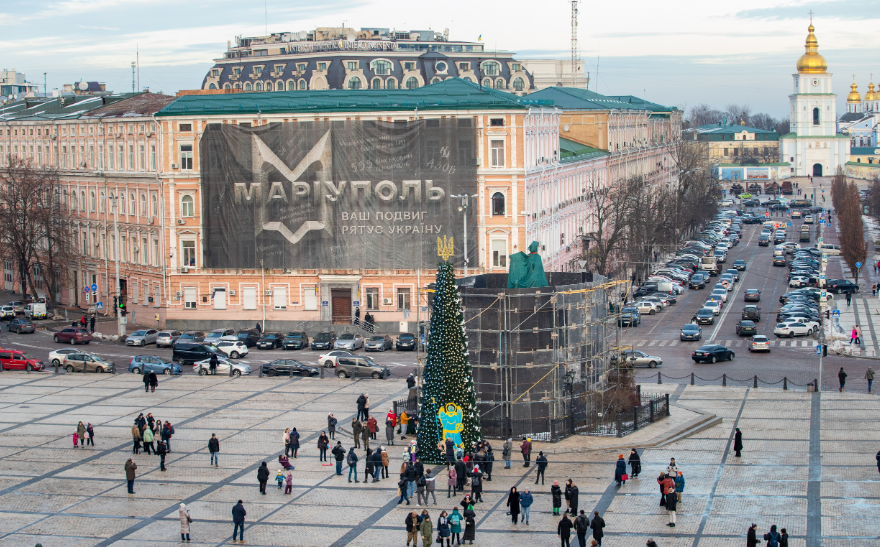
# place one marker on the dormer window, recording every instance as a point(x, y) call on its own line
point(381, 67)
point(301, 67)
point(258, 70)
point(351, 65)
point(491, 68)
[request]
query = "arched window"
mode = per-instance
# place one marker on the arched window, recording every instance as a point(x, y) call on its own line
point(103, 202)
point(497, 204)
point(186, 206)
point(73, 201)
point(132, 205)
point(377, 83)
point(237, 85)
point(279, 86)
point(302, 85)
point(354, 83)
point(487, 82)
point(380, 67)
point(518, 84)
point(412, 83)
point(212, 86)
point(155, 205)
point(270, 86)
point(82, 200)
point(468, 79)
point(499, 84)
point(291, 86)
point(391, 83)
point(143, 205)
point(815, 116)
point(258, 86)
point(247, 86)
point(94, 206)
point(435, 81)
point(226, 86)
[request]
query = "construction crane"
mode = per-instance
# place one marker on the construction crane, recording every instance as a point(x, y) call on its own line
point(574, 42)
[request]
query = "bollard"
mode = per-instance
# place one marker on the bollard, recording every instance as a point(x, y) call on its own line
point(635, 418)
point(619, 426)
point(322, 371)
point(756, 380)
point(639, 391)
point(651, 411)
point(667, 404)
point(659, 380)
point(816, 383)
point(724, 380)
point(784, 383)
point(692, 378)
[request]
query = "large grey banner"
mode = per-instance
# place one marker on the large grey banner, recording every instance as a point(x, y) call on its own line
point(336, 195)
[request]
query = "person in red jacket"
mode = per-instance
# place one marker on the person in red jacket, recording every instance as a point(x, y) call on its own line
point(668, 485)
point(373, 426)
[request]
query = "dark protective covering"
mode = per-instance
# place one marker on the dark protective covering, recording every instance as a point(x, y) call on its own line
point(526, 271)
point(338, 195)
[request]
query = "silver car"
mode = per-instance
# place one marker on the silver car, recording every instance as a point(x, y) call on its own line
point(378, 343)
point(203, 368)
point(142, 337)
point(349, 341)
point(636, 358)
point(166, 338)
point(217, 334)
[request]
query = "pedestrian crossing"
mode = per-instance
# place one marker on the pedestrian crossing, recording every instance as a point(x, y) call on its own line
point(742, 342)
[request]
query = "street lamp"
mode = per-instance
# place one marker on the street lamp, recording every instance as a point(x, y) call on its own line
point(465, 200)
point(120, 320)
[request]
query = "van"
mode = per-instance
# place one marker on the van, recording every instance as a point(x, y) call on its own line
point(360, 367)
point(805, 233)
point(828, 249)
point(35, 311)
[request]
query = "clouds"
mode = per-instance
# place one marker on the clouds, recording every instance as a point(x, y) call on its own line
point(834, 9)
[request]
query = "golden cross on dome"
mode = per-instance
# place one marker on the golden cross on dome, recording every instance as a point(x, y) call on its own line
point(811, 16)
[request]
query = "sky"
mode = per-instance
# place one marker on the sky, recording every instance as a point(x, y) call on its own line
point(686, 53)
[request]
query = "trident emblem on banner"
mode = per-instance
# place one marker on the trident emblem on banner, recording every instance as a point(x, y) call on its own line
point(444, 248)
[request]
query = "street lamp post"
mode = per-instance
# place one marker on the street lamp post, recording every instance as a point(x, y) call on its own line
point(120, 321)
point(465, 201)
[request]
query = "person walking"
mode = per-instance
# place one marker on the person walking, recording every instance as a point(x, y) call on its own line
point(772, 537)
point(91, 432)
point(130, 468)
point(874, 285)
point(841, 376)
point(488, 463)
point(214, 449)
point(331, 426)
point(620, 470)
point(513, 505)
point(369, 466)
point(403, 488)
point(427, 529)
point(154, 381)
point(81, 433)
point(526, 449)
point(167, 433)
point(679, 485)
point(356, 428)
point(581, 527)
point(366, 408)
point(430, 485)
point(470, 525)
point(541, 464)
point(869, 376)
point(238, 514)
point(136, 439)
point(263, 477)
point(556, 497)
point(294, 442)
point(848, 299)
point(443, 531)
point(384, 457)
point(563, 531)
point(162, 451)
point(148, 438)
point(455, 526)
point(635, 463)
point(525, 502)
point(361, 404)
point(259, 328)
point(671, 499)
point(476, 484)
point(357, 316)
point(412, 528)
point(92, 324)
point(737, 442)
point(339, 454)
point(185, 520)
point(752, 536)
point(858, 331)
point(323, 445)
point(390, 422)
point(411, 475)
point(597, 525)
point(365, 436)
point(351, 459)
point(506, 451)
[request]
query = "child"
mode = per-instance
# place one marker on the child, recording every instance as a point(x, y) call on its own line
point(279, 478)
point(75, 438)
point(289, 487)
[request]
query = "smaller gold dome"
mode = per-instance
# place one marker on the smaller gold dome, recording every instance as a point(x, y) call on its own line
point(811, 62)
point(854, 96)
point(869, 96)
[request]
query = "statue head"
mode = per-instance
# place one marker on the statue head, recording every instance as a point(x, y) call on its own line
point(533, 247)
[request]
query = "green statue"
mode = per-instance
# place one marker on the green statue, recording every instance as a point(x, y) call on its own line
point(526, 271)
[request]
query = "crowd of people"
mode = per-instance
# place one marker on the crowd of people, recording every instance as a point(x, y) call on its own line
point(147, 430)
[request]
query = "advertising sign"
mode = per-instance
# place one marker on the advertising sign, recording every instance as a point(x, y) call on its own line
point(342, 194)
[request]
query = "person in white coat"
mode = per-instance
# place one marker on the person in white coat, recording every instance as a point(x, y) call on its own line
point(185, 520)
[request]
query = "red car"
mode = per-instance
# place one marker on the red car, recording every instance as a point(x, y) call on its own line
point(72, 335)
point(11, 359)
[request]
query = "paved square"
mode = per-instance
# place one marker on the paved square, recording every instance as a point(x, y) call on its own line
point(808, 466)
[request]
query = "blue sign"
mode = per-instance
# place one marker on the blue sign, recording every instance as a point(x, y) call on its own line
point(325, 303)
point(99, 305)
point(356, 303)
point(85, 289)
point(94, 288)
point(835, 313)
point(818, 350)
point(788, 224)
point(858, 264)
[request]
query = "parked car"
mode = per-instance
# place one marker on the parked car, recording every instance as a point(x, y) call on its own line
point(191, 336)
point(406, 341)
point(295, 340)
point(202, 368)
point(636, 358)
point(349, 341)
point(18, 306)
point(7, 312)
point(57, 357)
point(270, 340)
point(249, 337)
point(627, 319)
point(324, 340)
point(330, 359)
point(361, 367)
point(289, 367)
point(838, 286)
point(72, 335)
point(751, 313)
point(152, 363)
point(190, 352)
point(21, 325)
point(232, 348)
point(792, 329)
point(13, 359)
point(712, 353)
point(87, 362)
point(746, 327)
point(378, 342)
point(35, 310)
point(752, 295)
point(647, 307)
point(142, 337)
point(759, 343)
point(166, 338)
point(217, 334)
point(692, 332)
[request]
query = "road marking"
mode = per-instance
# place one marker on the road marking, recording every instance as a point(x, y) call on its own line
point(642, 343)
point(663, 342)
point(673, 343)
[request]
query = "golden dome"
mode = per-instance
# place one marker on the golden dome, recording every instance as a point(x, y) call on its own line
point(853, 96)
point(869, 96)
point(811, 62)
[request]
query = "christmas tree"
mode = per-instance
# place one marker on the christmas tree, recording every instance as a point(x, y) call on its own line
point(449, 404)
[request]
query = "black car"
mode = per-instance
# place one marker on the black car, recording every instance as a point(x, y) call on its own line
point(752, 313)
point(249, 337)
point(289, 367)
point(691, 332)
point(764, 241)
point(269, 340)
point(190, 352)
point(746, 328)
point(406, 342)
point(838, 286)
point(295, 340)
point(740, 265)
point(645, 290)
point(627, 319)
point(712, 354)
point(324, 340)
point(697, 282)
point(779, 261)
point(752, 295)
point(705, 316)
point(20, 326)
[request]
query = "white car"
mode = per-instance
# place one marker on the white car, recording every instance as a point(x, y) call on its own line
point(329, 359)
point(720, 292)
point(56, 358)
point(713, 305)
point(799, 281)
point(645, 306)
point(7, 312)
point(203, 368)
point(231, 348)
point(726, 202)
point(792, 329)
point(808, 219)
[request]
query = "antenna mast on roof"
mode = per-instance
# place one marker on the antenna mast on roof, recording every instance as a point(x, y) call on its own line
point(133, 65)
point(574, 42)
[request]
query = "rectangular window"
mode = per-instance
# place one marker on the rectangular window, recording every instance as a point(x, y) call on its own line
point(121, 156)
point(464, 66)
point(134, 292)
point(736, 152)
point(39, 156)
point(184, 127)
point(155, 252)
point(152, 157)
point(112, 250)
point(190, 295)
point(403, 298)
point(515, 67)
point(92, 156)
point(131, 157)
point(249, 297)
point(110, 158)
point(351, 65)
point(100, 156)
point(279, 298)
point(300, 67)
point(310, 298)
point(64, 157)
point(499, 253)
point(496, 122)
point(82, 155)
point(144, 248)
point(141, 163)
point(322, 66)
point(123, 250)
point(409, 66)
point(497, 153)
point(136, 252)
point(372, 295)
point(186, 156)
point(726, 151)
point(189, 253)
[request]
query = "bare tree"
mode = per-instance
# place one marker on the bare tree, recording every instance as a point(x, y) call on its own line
point(737, 113)
point(848, 206)
point(702, 114)
point(55, 244)
point(606, 225)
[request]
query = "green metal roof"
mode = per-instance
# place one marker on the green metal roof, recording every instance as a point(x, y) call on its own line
point(863, 150)
point(453, 93)
point(572, 98)
point(719, 132)
point(58, 108)
point(794, 136)
point(574, 151)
